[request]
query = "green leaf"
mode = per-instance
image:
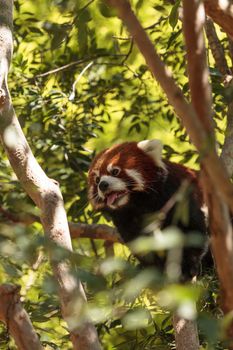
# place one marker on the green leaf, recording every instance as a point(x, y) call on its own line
point(174, 14)
point(159, 8)
point(106, 11)
point(82, 38)
point(139, 4)
point(136, 318)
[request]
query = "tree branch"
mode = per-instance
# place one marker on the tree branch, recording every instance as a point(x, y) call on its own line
point(16, 319)
point(221, 13)
point(222, 248)
point(46, 195)
point(198, 73)
point(186, 334)
point(76, 63)
point(95, 231)
point(77, 230)
point(230, 41)
point(216, 47)
point(227, 149)
point(220, 223)
point(221, 64)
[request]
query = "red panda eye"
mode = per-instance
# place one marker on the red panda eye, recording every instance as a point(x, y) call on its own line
point(115, 171)
point(97, 180)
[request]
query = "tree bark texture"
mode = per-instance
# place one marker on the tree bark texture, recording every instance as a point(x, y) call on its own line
point(222, 66)
point(198, 72)
point(186, 334)
point(227, 149)
point(16, 319)
point(220, 224)
point(216, 47)
point(93, 231)
point(221, 13)
point(222, 248)
point(46, 195)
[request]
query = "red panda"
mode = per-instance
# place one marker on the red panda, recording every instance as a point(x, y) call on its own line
point(131, 180)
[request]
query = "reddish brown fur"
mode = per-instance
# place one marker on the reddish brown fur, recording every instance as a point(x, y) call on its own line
point(180, 171)
point(129, 156)
point(125, 156)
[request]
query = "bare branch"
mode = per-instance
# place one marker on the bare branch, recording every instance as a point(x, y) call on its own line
point(221, 64)
point(77, 230)
point(222, 247)
point(221, 228)
point(94, 231)
point(231, 50)
point(186, 335)
point(221, 13)
point(76, 63)
point(47, 196)
point(6, 44)
point(227, 149)
point(16, 319)
point(216, 47)
point(193, 23)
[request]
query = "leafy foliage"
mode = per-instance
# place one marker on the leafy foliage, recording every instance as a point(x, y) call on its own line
point(79, 84)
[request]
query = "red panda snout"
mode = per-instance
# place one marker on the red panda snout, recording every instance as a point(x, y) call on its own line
point(108, 191)
point(113, 191)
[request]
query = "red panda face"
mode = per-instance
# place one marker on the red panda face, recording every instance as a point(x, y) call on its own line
point(119, 171)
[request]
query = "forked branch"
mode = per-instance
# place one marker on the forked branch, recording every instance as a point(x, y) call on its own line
point(221, 13)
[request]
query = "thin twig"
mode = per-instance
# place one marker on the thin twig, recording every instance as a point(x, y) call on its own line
point(216, 47)
point(75, 63)
point(129, 52)
point(72, 95)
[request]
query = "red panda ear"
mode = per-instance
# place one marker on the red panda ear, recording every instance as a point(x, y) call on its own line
point(154, 149)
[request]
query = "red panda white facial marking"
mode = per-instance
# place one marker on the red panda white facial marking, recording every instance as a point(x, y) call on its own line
point(121, 170)
point(113, 191)
point(137, 179)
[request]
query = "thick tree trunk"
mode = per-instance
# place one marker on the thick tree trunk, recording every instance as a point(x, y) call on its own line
point(186, 335)
point(46, 195)
point(16, 319)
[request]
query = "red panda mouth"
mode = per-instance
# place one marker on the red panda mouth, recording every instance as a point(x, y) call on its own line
point(112, 197)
